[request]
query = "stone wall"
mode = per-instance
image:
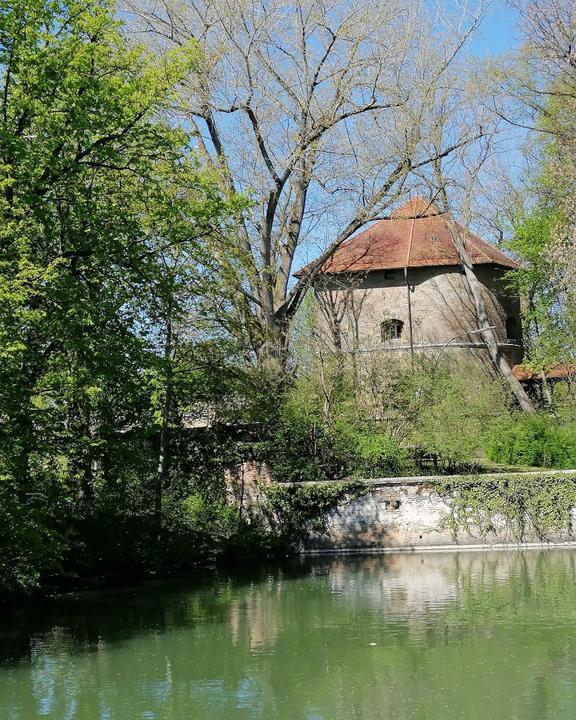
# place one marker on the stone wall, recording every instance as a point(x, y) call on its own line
point(245, 482)
point(403, 513)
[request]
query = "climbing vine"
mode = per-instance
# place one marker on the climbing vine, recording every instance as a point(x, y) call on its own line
point(514, 505)
point(295, 510)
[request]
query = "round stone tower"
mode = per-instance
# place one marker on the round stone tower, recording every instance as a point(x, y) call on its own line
point(399, 287)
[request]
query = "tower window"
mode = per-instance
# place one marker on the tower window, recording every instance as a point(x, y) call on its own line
point(512, 328)
point(391, 330)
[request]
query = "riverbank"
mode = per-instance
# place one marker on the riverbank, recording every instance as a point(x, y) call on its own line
point(393, 514)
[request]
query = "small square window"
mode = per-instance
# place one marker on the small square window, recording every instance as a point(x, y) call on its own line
point(391, 330)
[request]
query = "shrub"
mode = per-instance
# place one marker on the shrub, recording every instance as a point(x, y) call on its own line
point(196, 529)
point(376, 454)
point(456, 406)
point(539, 441)
point(303, 447)
point(383, 421)
point(31, 545)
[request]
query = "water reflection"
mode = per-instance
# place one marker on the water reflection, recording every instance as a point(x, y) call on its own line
point(443, 636)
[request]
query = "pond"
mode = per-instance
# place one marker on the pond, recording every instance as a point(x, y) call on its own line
point(487, 636)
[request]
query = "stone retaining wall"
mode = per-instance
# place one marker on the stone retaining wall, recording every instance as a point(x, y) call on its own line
point(405, 514)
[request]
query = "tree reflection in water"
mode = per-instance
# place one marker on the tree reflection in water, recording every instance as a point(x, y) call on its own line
point(470, 635)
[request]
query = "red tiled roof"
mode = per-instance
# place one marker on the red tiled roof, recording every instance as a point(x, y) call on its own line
point(416, 235)
point(554, 372)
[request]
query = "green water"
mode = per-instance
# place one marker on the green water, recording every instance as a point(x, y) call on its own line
point(484, 636)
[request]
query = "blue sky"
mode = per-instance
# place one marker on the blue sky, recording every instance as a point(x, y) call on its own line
point(498, 33)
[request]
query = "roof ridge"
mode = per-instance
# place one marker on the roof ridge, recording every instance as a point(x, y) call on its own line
point(410, 241)
point(416, 207)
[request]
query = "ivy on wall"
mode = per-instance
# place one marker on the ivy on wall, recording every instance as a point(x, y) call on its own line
point(296, 510)
point(516, 505)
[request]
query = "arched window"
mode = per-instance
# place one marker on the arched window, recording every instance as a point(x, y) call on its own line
point(391, 330)
point(512, 328)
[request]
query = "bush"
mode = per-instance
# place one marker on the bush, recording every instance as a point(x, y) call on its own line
point(29, 547)
point(455, 407)
point(302, 447)
point(384, 421)
point(377, 455)
point(539, 441)
point(306, 447)
point(33, 539)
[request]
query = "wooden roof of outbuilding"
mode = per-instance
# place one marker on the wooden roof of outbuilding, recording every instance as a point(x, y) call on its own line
point(558, 371)
point(416, 235)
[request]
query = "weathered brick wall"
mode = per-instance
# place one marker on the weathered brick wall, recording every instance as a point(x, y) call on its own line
point(245, 483)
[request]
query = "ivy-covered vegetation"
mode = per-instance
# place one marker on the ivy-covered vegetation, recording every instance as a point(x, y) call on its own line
point(294, 511)
point(516, 505)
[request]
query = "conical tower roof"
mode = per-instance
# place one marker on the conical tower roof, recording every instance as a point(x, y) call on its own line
point(416, 235)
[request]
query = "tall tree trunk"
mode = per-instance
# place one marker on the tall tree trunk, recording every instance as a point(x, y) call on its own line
point(487, 333)
point(163, 454)
point(24, 440)
point(78, 426)
point(89, 464)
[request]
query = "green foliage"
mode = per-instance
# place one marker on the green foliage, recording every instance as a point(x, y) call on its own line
point(532, 239)
point(103, 208)
point(377, 455)
point(539, 441)
point(382, 424)
point(296, 510)
point(109, 281)
point(563, 401)
point(548, 316)
point(30, 544)
point(304, 445)
point(456, 405)
point(302, 448)
point(518, 505)
point(196, 528)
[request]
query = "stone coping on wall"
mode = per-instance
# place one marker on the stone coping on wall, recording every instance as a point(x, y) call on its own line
point(430, 479)
point(451, 547)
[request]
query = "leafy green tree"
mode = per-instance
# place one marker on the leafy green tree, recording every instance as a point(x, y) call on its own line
point(96, 189)
point(542, 84)
point(548, 315)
